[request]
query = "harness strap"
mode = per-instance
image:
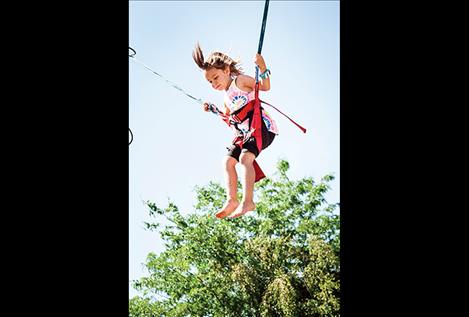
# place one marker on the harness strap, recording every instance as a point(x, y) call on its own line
point(256, 123)
point(299, 126)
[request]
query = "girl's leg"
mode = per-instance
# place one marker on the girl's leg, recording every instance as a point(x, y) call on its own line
point(231, 179)
point(246, 160)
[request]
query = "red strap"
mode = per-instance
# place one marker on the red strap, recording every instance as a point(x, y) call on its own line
point(256, 123)
point(299, 126)
point(256, 126)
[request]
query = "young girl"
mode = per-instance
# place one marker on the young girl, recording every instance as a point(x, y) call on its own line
point(224, 74)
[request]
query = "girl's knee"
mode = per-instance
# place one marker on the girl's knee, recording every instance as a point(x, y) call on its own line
point(246, 158)
point(229, 161)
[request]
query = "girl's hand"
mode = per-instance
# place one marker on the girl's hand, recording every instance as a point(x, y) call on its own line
point(259, 61)
point(205, 106)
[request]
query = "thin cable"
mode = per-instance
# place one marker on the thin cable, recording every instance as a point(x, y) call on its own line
point(132, 55)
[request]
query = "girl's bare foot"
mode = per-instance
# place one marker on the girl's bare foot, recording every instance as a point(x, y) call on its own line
point(229, 206)
point(244, 207)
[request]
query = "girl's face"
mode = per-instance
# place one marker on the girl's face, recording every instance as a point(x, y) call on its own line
point(220, 79)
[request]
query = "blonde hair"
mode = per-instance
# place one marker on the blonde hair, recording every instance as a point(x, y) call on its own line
point(215, 60)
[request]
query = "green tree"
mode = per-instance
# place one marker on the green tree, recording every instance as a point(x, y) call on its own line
point(282, 260)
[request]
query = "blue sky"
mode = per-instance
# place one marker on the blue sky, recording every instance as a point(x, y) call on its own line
point(177, 146)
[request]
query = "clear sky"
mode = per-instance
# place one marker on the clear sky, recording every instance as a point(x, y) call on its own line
point(177, 145)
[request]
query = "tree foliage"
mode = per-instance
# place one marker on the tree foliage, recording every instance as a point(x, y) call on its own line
point(281, 260)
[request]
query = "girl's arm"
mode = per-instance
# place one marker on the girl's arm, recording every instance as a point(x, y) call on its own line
point(264, 84)
point(247, 83)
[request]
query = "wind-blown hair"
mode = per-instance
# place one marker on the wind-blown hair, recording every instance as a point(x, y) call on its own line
point(215, 60)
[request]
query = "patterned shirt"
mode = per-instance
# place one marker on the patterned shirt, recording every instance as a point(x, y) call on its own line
point(235, 99)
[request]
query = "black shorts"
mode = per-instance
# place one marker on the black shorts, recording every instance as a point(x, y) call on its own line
point(250, 145)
